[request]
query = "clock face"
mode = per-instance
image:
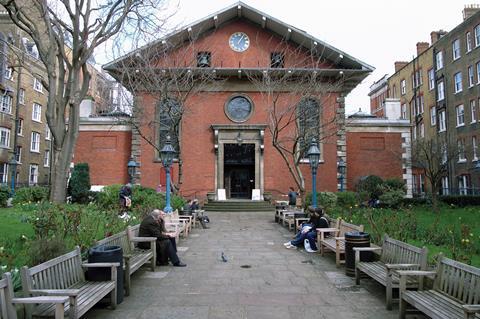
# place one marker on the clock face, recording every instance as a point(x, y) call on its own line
point(239, 41)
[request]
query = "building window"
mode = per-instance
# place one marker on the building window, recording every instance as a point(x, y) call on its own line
point(421, 183)
point(404, 111)
point(431, 79)
point(20, 127)
point(477, 35)
point(277, 60)
point(8, 73)
point(37, 85)
point(457, 78)
point(204, 59)
point(46, 158)
point(460, 115)
point(21, 100)
point(442, 127)
point(169, 122)
point(441, 91)
point(417, 79)
point(4, 137)
point(6, 105)
point(414, 184)
point(37, 112)
point(444, 155)
point(439, 60)
point(48, 133)
point(473, 111)
point(445, 190)
point(471, 76)
point(433, 116)
point(308, 123)
point(478, 72)
point(461, 150)
point(456, 49)
point(474, 148)
point(403, 87)
point(3, 173)
point(468, 40)
point(35, 143)
point(414, 133)
point(422, 130)
point(394, 91)
point(33, 176)
point(463, 185)
point(18, 154)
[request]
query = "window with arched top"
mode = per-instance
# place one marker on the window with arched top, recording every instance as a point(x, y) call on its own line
point(308, 116)
point(169, 118)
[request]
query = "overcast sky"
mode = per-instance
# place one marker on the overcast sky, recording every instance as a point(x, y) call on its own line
point(377, 32)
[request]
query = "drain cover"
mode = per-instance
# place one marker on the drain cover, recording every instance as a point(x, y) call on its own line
point(246, 266)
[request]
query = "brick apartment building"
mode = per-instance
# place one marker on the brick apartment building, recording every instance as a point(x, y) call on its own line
point(438, 93)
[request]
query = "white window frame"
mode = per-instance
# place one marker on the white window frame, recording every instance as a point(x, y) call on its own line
point(4, 137)
point(422, 130)
point(461, 150)
point(474, 148)
point(478, 72)
point(6, 104)
point(431, 79)
point(445, 189)
point(46, 159)
point(477, 35)
point(442, 127)
point(441, 91)
point(36, 112)
point(19, 154)
point(4, 176)
point(8, 73)
point(457, 82)
point(21, 99)
point(403, 87)
point(456, 49)
point(37, 85)
point(433, 116)
point(439, 60)
point(471, 76)
point(463, 185)
point(468, 40)
point(473, 111)
point(403, 108)
point(460, 112)
point(48, 133)
point(35, 142)
point(421, 183)
point(20, 127)
point(414, 132)
point(33, 174)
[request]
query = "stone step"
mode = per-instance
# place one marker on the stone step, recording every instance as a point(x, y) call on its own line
point(238, 206)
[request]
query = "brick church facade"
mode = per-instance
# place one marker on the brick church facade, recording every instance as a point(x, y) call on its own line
point(240, 71)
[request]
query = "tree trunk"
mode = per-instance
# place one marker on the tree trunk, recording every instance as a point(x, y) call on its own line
point(435, 199)
point(60, 169)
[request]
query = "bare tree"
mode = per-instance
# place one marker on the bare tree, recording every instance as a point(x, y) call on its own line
point(434, 156)
point(66, 33)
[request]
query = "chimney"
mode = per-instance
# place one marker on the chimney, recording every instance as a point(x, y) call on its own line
point(470, 10)
point(399, 65)
point(436, 35)
point(422, 47)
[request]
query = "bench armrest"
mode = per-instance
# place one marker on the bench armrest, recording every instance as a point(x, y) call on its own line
point(471, 308)
point(327, 230)
point(143, 239)
point(400, 266)
point(55, 292)
point(41, 299)
point(416, 273)
point(100, 265)
point(366, 248)
point(339, 238)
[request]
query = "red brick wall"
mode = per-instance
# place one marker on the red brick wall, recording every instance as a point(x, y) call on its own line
point(373, 154)
point(107, 154)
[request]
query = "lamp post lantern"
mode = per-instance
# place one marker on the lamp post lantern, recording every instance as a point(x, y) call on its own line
point(341, 170)
point(314, 157)
point(131, 167)
point(166, 154)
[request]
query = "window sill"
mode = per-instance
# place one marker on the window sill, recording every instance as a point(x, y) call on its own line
point(475, 159)
point(460, 125)
point(33, 151)
point(460, 161)
point(458, 92)
point(5, 147)
point(37, 121)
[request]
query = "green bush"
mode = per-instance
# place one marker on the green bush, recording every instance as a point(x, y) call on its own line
point(392, 198)
point(415, 201)
point(42, 250)
point(372, 185)
point(327, 200)
point(4, 195)
point(461, 201)
point(108, 197)
point(32, 194)
point(395, 184)
point(347, 199)
point(79, 184)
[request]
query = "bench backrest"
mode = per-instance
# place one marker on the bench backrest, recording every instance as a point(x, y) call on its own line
point(6, 294)
point(459, 281)
point(397, 252)
point(132, 231)
point(346, 227)
point(58, 273)
point(120, 239)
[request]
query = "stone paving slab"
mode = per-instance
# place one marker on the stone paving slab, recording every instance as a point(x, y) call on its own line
point(275, 283)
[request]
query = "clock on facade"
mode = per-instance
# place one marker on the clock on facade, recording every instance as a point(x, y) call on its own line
point(239, 42)
point(239, 108)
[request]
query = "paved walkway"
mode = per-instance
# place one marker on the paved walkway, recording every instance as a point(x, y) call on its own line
point(278, 283)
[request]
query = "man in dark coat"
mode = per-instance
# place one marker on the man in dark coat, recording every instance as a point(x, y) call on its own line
point(154, 226)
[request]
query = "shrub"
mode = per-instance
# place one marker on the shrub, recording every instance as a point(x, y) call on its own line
point(327, 200)
point(415, 201)
point(4, 195)
point(372, 185)
point(79, 184)
point(33, 194)
point(392, 198)
point(395, 184)
point(45, 249)
point(347, 199)
point(461, 201)
point(108, 197)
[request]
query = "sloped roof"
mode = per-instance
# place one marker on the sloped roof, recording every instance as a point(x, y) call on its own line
point(344, 62)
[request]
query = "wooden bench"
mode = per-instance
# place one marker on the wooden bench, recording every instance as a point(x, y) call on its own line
point(64, 276)
point(133, 257)
point(395, 255)
point(455, 293)
point(8, 300)
point(300, 220)
point(336, 243)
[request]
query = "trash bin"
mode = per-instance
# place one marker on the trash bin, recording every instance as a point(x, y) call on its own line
point(355, 239)
point(104, 253)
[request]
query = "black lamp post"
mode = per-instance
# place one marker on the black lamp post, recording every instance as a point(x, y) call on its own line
point(341, 171)
point(166, 154)
point(314, 157)
point(132, 167)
